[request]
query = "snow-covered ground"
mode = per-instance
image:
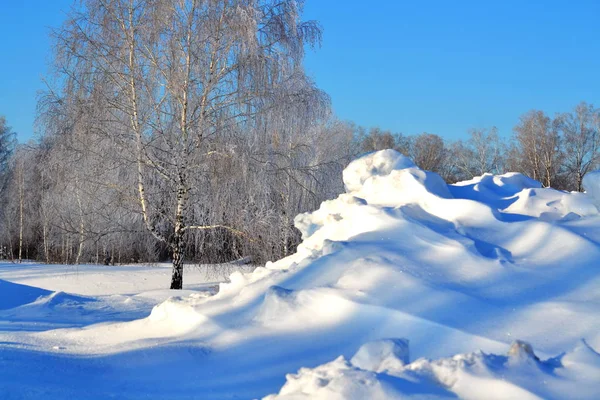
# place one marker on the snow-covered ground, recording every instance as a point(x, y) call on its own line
point(404, 287)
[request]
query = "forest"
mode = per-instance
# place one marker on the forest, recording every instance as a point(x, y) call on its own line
point(193, 134)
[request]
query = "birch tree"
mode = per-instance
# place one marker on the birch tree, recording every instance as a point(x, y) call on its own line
point(171, 77)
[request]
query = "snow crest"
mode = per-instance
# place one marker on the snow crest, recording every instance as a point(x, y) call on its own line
point(518, 375)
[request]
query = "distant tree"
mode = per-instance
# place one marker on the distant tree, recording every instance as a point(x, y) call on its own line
point(19, 220)
point(402, 144)
point(428, 152)
point(482, 153)
point(7, 146)
point(581, 141)
point(456, 168)
point(536, 150)
point(376, 139)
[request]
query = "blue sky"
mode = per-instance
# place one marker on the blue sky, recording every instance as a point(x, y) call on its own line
point(24, 56)
point(408, 66)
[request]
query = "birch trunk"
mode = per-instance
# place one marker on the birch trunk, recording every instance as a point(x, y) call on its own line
point(178, 245)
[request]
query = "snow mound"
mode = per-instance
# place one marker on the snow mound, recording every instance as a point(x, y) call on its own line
point(520, 375)
point(382, 355)
point(518, 195)
point(452, 268)
point(22, 302)
point(175, 316)
point(521, 350)
point(176, 312)
point(506, 185)
point(61, 299)
point(380, 163)
point(14, 295)
point(340, 380)
point(551, 205)
point(591, 184)
point(278, 302)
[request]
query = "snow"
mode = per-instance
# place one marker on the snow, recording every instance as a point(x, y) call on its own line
point(591, 184)
point(403, 287)
point(379, 163)
point(518, 375)
point(382, 355)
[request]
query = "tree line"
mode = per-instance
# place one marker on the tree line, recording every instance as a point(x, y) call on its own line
point(557, 151)
point(70, 198)
point(188, 130)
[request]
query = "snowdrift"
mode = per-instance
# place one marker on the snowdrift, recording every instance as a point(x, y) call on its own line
point(403, 287)
point(14, 295)
point(518, 375)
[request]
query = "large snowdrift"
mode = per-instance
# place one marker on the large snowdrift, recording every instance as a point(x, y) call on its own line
point(400, 270)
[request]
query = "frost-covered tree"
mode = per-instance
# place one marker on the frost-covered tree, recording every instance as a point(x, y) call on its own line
point(173, 83)
point(7, 145)
point(428, 151)
point(581, 142)
point(483, 152)
point(376, 139)
point(537, 152)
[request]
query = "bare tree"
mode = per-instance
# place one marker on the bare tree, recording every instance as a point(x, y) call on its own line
point(537, 147)
point(376, 139)
point(173, 78)
point(7, 146)
point(482, 153)
point(581, 141)
point(18, 205)
point(428, 151)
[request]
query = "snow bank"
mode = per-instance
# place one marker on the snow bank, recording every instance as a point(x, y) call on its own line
point(591, 184)
point(518, 375)
point(14, 295)
point(336, 380)
point(519, 195)
point(509, 255)
point(460, 271)
point(380, 163)
point(177, 313)
point(389, 178)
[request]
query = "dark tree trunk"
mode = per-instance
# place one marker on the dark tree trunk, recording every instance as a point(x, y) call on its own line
point(178, 242)
point(177, 273)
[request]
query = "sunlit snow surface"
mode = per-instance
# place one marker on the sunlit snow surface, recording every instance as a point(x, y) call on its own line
point(403, 287)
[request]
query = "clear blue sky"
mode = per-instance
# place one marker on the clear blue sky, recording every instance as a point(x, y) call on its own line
point(24, 56)
point(409, 66)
